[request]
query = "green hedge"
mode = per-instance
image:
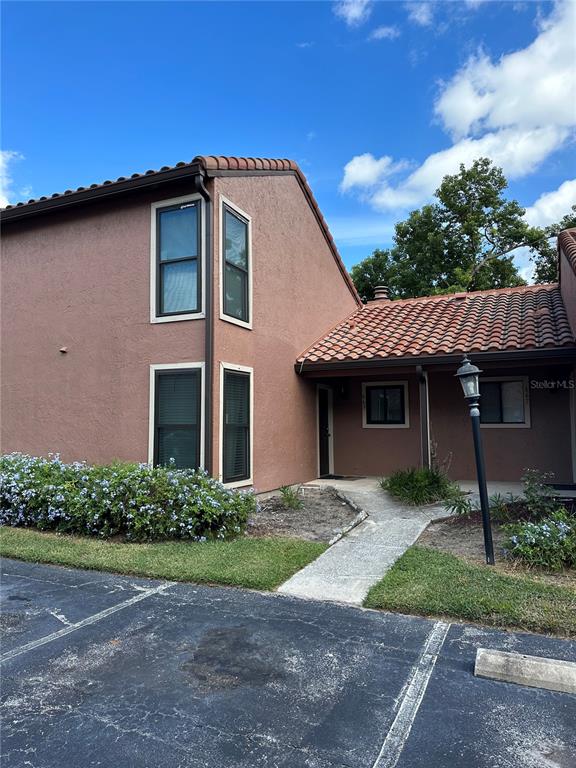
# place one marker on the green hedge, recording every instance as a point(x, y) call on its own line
point(136, 501)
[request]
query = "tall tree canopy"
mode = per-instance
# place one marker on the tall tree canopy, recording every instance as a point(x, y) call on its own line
point(462, 242)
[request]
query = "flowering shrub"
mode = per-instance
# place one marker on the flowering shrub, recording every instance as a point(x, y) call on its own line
point(550, 543)
point(134, 500)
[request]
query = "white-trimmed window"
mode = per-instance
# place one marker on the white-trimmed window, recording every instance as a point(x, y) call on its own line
point(177, 259)
point(177, 415)
point(385, 405)
point(235, 265)
point(504, 402)
point(236, 424)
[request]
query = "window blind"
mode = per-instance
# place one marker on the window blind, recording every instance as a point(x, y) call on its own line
point(178, 395)
point(236, 433)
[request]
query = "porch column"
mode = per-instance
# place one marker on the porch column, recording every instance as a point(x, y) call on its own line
point(425, 457)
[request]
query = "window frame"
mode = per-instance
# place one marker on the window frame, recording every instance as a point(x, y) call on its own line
point(235, 210)
point(367, 384)
point(236, 369)
point(155, 208)
point(159, 368)
point(526, 424)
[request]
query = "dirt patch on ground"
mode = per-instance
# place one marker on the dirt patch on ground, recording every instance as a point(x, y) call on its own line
point(463, 537)
point(322, 515)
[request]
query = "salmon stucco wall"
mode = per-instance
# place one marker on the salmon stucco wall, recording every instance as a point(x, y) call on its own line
point(81, 281)
point(361, 450)
point(568, 289)
point(298, 294)
point(545, 445)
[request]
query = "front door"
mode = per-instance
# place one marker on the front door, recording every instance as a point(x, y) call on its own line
point(324, 430)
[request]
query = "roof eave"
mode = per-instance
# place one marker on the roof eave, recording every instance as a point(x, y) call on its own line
point(101, 192)
point(507, 355)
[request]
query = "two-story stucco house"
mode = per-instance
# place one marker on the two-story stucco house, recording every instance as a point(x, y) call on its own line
point(202, 313)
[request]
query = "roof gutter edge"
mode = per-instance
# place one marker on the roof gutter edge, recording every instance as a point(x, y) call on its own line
point(28, 210)
point(551, 353)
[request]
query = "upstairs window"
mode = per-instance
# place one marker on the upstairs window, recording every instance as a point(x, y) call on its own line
point(236, 266)
point(504, 402)
point(178, 278)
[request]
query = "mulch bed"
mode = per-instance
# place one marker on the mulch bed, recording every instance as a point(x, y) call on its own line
point(322, 515)
point(463, 537)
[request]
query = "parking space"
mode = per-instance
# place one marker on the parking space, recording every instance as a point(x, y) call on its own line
point(103, 670)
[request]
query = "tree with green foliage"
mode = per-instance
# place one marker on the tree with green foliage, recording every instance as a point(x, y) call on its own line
point(464, 241)
point(546, 265)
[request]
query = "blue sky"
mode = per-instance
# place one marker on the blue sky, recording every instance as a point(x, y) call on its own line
point(375, 100)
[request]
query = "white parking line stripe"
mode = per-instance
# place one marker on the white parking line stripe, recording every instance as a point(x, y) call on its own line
point(412, 698)
point(84, 623)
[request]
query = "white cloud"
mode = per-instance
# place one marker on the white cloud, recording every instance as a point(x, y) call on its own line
point(354, 12)
point(528, 88)
point(384, 33)
point(366, 171)
point(305, 44)
point(517, 111)
point(420, 13)
point(517, 152)
point(527, 273)
point(552, 206)
point(7, 157)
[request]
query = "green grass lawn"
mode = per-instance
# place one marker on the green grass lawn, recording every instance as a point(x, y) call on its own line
point(253, 563)
point(430, 583)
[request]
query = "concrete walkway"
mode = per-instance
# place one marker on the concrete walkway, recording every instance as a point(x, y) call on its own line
point(347, 570)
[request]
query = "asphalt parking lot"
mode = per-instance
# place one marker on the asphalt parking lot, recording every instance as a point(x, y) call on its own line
point(110, 671)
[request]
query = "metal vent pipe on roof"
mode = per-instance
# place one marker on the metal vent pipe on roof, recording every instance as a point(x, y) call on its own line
point(381, 293)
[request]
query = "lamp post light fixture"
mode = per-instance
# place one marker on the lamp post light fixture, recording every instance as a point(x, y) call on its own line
point(469, 376)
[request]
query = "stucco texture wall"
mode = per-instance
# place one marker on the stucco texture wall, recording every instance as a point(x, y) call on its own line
point(545, 445)
point(81, 281)
point(360, 450)
point(298, 295)
point(568, 289)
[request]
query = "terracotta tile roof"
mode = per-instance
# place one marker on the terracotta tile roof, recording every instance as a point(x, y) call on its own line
point(526, 318)
point(208, 162)
point(213, 162)
point(212, 165)
point(81, 191)
point(567, 241)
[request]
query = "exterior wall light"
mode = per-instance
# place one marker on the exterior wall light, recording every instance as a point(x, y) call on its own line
point(469, 376)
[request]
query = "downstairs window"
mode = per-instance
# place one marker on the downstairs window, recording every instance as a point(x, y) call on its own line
point(177, 418)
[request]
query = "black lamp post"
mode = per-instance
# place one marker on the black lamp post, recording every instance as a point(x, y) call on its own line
point(469, 378)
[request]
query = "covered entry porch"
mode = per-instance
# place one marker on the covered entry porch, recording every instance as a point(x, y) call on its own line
point(393, 402)
point(374, 418)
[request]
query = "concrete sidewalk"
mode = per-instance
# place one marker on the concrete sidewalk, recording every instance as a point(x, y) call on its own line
point(347, 570)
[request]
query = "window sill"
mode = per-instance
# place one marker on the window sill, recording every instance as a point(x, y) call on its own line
point(238, 483)
point(505, 426)
point(386, 426)
point(178, 318)
point(235, 321)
